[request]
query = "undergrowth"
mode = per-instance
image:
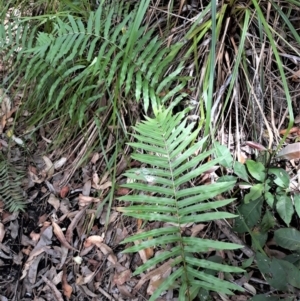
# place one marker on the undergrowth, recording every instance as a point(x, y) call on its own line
point(87, 69)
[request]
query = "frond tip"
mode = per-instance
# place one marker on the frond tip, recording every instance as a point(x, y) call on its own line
point(165, 145)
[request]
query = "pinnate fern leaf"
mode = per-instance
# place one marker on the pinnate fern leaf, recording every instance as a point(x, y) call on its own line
point(11, 177)
point(110, 50)
point(165, 147)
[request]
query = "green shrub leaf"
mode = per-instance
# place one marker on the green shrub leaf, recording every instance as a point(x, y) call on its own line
point(241, 171)
point(256, 170)
point(285, 209)
point(255, 193)
point(288, 238)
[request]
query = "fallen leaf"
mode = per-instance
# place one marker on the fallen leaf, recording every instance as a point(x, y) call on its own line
point(122, 277)
point(2, 232)
point(56, 293)
point(49, 167)
point(64, 191)
point(95, 158)
point(80, 280)
point(60, 236)
point(92, 240)
point(293, 130)
point(61, 162)
point(67, 289)
point(86, 190)
point(256, 145)
point(158, 273)
point(86, 200)
point(290, 152)
point(74, 223)
point(54, 201)
point(34, 253)
point(122, 191)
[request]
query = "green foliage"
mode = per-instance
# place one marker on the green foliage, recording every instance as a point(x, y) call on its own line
point(83, 58)
point(11, 176)
point(164, 145)
point(270, 186)
point(264, 182)
point(279, 273)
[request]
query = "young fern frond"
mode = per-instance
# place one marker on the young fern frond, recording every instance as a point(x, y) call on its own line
point(162, 193)
point(79, 60)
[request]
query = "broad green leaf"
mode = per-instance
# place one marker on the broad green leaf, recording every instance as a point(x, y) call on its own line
point(272, 271)
point(268, 222)
point(258, 239)
point(269, 197)
point(221, 151)
point(282, 178)
point(285, 209)
point(288, 238)
point(255, 193)
point(249, 215)
point(241, 171)
point(297, 203)
point(256, 170)
point(293, 274)
point(247, 262)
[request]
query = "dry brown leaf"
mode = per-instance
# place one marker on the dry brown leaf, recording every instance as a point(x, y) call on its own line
point(296, 76)
point(81, 280)
point(256, 145)
point(33, 175)
point(54, 201)
point(67, 289)
point(293, 130)
point(49, 169)
point(74, 223)
point(101, 185)
point(122, 277)
point(35, 253)
point(290, 152)
point(60, 236)
point(56, 293)
point(86, 200)
point(42, 219)
point(86, 190)
point(64, 254)
point(93, 240)
point(159, 272)
point(122, 191)
point(125, 292)
point(106, 250)
point(2, 232)
point(61, 162)
point(35, 236)
point(95, 158)
point(197, 228)
point(64, 191)
point(145, 254)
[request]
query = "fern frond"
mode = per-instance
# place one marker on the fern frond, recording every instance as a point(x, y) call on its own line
point(11, 178)
point(85, 57)
point(165, 146)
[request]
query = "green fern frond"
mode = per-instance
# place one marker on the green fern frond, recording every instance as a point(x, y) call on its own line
point(165, 146)
point(80, 59)
point(11, 192)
